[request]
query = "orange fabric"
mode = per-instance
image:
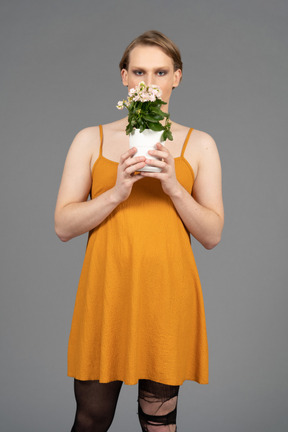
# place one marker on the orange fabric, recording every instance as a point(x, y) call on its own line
point(139, 311)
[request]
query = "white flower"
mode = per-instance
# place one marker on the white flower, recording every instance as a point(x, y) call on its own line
point(132, 92)
point(144, 97)
point(120, 105)
point(144, 93)
point(156, 91)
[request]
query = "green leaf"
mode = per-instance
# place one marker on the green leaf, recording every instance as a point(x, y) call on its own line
point(129, 129)
point(159, 112)
point(150, 118)
point(156, 116)
point(169, 135)
point(155, 126)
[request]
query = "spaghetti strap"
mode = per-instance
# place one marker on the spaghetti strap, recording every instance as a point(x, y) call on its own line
point(186, 142)
point(101, 139)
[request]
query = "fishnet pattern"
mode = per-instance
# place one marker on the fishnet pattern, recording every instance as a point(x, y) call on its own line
point(157, 406)
point(96, 405)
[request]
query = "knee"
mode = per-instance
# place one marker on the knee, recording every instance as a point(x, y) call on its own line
point(91, 420)
point(157, 406)
point(162, 419)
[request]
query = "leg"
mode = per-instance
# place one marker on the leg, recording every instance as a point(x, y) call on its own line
point(96, 404)
point(157, 406)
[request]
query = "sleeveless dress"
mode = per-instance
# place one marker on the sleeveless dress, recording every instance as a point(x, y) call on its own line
point(139, 311)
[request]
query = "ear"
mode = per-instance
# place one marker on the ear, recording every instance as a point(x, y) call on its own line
point(124, 76)
point(177, 78)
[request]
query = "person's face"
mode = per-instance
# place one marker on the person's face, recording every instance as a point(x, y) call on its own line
point(151, 65)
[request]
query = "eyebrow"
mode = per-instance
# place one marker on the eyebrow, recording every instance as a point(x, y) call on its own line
point(142, 68)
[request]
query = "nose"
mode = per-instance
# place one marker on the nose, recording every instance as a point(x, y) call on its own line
point(149, 79)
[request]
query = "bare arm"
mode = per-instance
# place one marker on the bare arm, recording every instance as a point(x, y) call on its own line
point(74, 215)
point(202, 213)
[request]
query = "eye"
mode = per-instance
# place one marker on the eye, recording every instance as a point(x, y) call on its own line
point(138, 72)
point(161, 73)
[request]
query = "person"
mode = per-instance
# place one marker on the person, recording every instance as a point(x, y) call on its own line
point(139, 314)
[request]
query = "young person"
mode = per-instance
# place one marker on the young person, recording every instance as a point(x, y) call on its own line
point(139, 313)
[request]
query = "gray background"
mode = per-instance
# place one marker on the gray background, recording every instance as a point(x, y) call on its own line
point(59, 74)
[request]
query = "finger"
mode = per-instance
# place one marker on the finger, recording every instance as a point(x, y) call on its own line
point(159, 154)
point(161, 147)
point(135, 167)
point(156, 162)
point(156, 175)
point(136, 177)
point(132, 161)
point(127, 154)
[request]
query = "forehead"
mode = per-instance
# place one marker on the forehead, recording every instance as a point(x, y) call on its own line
point(152, 56)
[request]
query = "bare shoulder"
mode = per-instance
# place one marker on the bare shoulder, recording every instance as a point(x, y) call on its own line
point(202, 143)
point(204, 147)
point(202, 140)
point(115, 140)
point(85, 145)
point(86, 139)
point(76, 178)
point(200, 146)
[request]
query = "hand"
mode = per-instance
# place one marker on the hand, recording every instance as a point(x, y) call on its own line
point(167, 176)
point(126, 176)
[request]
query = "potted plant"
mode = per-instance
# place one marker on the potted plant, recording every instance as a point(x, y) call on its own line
point(144, 120)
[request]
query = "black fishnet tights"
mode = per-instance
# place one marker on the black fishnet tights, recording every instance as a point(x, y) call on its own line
point(157, 406)
point(96, 404)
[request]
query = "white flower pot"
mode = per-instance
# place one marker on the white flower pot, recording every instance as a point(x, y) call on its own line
point(145, 141)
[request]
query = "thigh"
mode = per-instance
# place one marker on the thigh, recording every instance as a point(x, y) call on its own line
point(92, 395)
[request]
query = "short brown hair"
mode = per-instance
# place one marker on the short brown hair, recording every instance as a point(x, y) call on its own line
point(153, 37)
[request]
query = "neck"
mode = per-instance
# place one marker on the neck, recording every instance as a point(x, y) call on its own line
point(165, 108)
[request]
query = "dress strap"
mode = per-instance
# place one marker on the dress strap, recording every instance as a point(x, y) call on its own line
point(101, 139)
point(186, 142)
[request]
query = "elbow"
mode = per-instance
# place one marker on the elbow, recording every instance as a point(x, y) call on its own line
point(213, 240)
point(63, 238)
point(211, 243)
point(61, 235)
point(60, 232)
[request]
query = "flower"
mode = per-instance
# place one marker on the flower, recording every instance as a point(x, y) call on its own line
point(132, 91)
point(144, 110)
point(120, 105)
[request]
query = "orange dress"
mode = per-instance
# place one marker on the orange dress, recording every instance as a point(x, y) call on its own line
point(139, 311)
